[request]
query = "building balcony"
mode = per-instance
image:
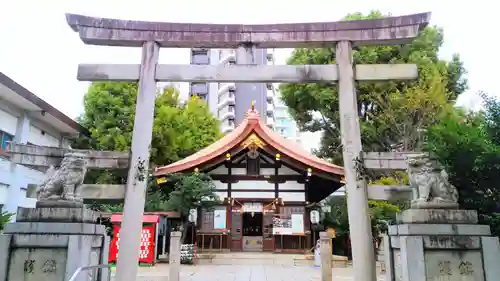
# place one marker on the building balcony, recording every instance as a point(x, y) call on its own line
point(270, 108)
point(225, 101)
point(226, 129)
point(270, 96)
point(224, 88)
point(227, 58)
point(226, 115)
point(270, 57)
point(270, 122)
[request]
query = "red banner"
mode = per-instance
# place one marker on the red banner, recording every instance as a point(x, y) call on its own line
point(147, 247)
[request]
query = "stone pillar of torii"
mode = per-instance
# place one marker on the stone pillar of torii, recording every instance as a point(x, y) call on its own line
point(151, 36)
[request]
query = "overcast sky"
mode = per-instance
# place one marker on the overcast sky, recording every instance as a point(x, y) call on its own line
point(41, 52)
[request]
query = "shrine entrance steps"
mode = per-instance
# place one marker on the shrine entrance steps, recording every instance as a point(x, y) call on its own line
point(263, 259)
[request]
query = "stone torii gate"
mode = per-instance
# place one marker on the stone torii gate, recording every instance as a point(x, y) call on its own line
point(245, 38)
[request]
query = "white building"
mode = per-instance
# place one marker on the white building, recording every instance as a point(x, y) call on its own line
point(229, 102)
point(27, 119)
point(283, 122)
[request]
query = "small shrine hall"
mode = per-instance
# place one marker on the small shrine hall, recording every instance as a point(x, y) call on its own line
point(267, 186)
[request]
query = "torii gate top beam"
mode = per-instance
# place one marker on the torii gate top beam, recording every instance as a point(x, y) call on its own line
point(127, 33)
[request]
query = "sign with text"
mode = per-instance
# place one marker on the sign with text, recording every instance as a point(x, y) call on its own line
point(450, 265)
point(220, 219)
point(292, 226)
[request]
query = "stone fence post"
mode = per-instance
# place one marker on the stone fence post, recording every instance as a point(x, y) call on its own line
point(174, 257)
point(325, 247)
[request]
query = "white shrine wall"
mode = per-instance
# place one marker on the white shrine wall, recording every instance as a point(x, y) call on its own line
point(292, 191)
point(263, 171)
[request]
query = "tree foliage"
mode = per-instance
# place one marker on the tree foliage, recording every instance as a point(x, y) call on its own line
point(188, 192)
point(182, 193)
point(179, 129)
point(381, 214)
point(390, 112)
point(5, 218)
point(468, 145)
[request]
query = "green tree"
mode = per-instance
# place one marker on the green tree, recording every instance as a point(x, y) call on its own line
point(5, 218)
point(382, 213)
point(179, 129)
point(184, 192)
point(390, 112)
point(468, 145)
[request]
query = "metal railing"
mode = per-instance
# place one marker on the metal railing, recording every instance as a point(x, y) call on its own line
point(90, 267)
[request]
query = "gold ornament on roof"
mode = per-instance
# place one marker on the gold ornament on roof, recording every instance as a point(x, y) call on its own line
point(253, 141)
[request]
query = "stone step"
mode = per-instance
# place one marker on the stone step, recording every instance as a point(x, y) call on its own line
point(264, 259)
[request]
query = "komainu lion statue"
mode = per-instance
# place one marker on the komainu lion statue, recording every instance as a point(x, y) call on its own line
point(61, 184)
point(430, 182)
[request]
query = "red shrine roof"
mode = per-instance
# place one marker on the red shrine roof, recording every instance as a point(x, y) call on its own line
point(252, 124)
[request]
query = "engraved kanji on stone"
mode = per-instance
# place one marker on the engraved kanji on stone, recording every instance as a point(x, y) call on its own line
point(29, 266)
point(444, 268)
point(50, 266)
point(466, 268)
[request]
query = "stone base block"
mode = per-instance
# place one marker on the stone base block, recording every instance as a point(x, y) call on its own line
point(437, 216)
point(434, 205)
point(422, 258)
point(70, 215)
point(39, 250)
point(440, 229)
point(54, 227)
point(59, 204)
point(455, 250)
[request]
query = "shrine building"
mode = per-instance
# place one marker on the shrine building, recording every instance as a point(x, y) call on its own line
point(266, 185)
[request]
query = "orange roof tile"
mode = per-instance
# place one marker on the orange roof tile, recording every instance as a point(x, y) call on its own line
point(251, 124)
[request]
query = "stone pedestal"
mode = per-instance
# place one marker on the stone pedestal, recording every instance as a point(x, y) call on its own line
point(441, 244)
point(325, 244)
point(175, 256)
point(51, 243)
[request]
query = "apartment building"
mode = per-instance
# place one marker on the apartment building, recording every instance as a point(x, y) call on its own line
point(283, 121)
point(25, 118)
point(230, 101)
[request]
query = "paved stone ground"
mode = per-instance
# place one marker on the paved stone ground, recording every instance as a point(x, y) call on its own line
point(243, 273)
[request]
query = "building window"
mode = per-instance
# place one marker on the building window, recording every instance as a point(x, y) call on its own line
point(4, 138)
point(199, 51)
point(199, 88)
point(200, 57)
point(231, 108)
point(269, 86)
point(230, 122)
